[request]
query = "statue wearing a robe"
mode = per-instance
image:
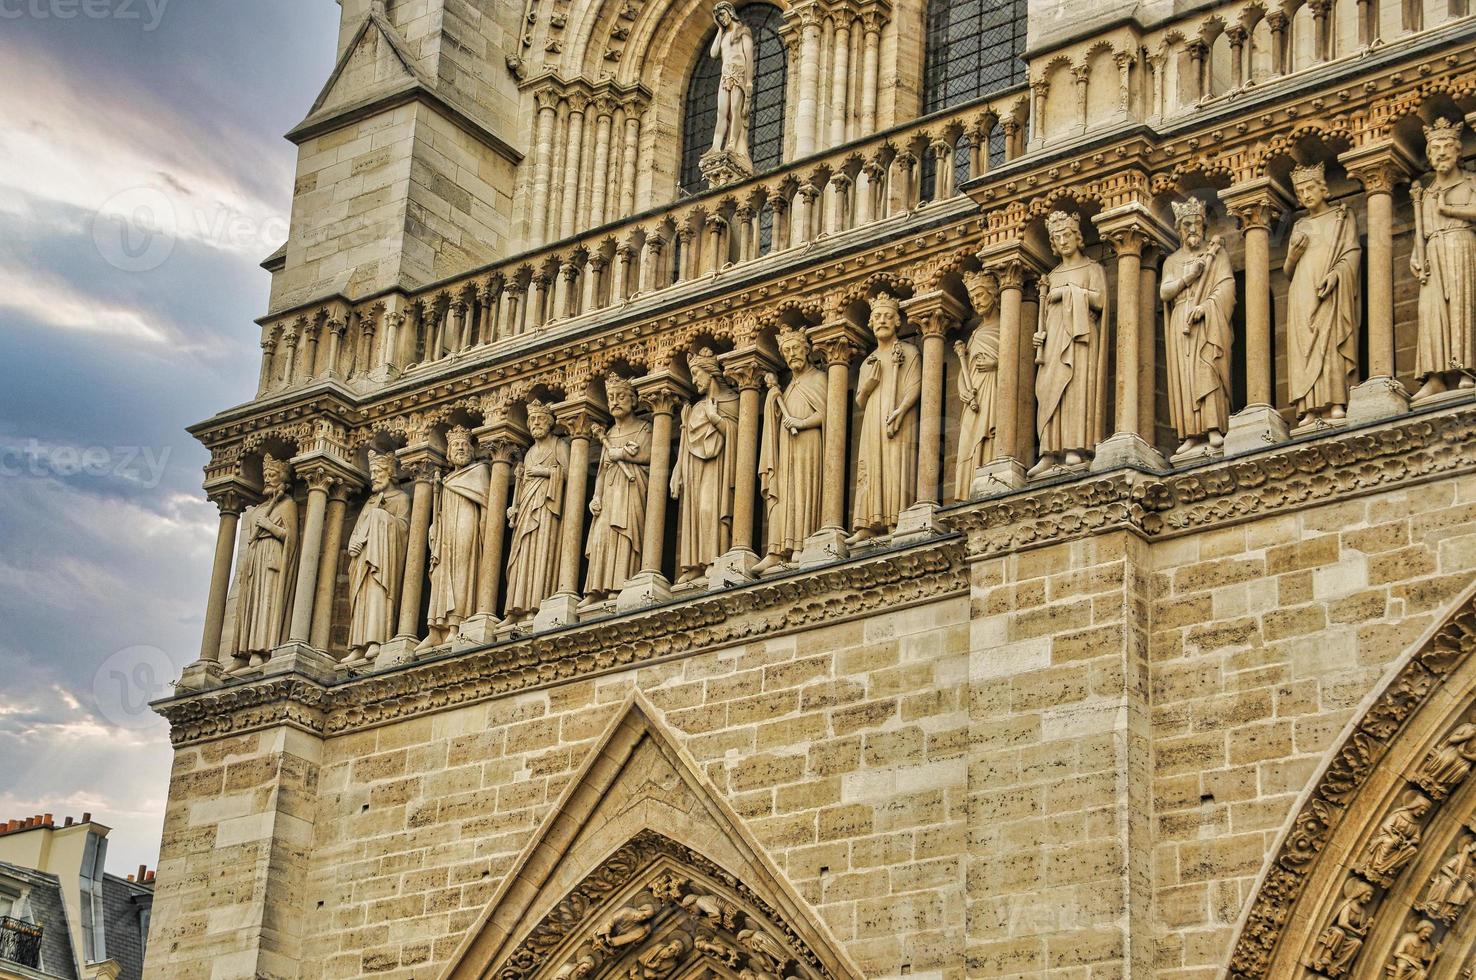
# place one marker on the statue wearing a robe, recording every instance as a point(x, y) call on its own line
point(978, 375)
point(456, 540)
point(1444, 263)
point(535, 515)
point(887, 392)
point(266, 572)
point(1323, 304)
point(619, 502)
point(1071, 352)
point(376, 550)
point(1198, 292)
point(706, 464)
point(792, 453)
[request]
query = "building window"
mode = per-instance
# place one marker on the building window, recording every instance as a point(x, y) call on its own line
point(974, 49)
point(765, 111)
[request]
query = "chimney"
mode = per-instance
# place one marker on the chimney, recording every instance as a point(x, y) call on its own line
point(141, 869)
point(50, 821)
point(68, 823)
point(87, 818)
point(150, 878)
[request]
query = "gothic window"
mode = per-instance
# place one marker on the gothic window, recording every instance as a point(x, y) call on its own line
point(974, 48)
point(765, 112)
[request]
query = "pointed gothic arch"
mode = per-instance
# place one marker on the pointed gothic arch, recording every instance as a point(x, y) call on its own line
point(1384, 841)
point(643, 872)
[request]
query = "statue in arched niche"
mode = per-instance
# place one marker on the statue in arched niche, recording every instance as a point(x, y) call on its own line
point(978, 374)
point(376, 550)
point(706, 465)
point(792, 456)
point(266, 572)
point(1323, 305)
point(1397, 841)
point(619, 500)
point(1340, 942)
point(536, 514)
point(1444, 263)
point(887, 392)
point(733, 45)
point(1199, 293)
point(456, 539)
point(1070, 351)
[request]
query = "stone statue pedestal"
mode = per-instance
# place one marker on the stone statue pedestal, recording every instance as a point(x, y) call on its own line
point(723, 167)
point(400, 650)
point(475, 632)
point(733, 568)
point(202, 675)
point(299, 658)
point(823, 547)
point(998, 476)
point(1255, 427)
point(1200, 453)
point(1375, 399)
point(559, 609)
point(1449, 396)
point(1127, 449)
point(918, 523)
point(644, 589)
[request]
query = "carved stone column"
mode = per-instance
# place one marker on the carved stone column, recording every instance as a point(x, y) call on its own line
point(942, 152)
point(579, 416)
point(934, 314)
point(1012, 264)
point(503, 441)
point(604, 108)
point(572, 159)
point(594, 271)
point(664, 392)
point(536, 314)
point(1130, 229)
point(838, 341)
point(322, 629)
point(289, 355)
point(1148, 306)
point(547, 101)
point(310, 333)
point(807, 16)
point(319, 482)
point(1379, 168)
point(745, 367)
point(628, 160)
point(872, 20)
point(649, 277)
point(231, 499)
point(268, 348)
point(424, 463)
point(337, 326)
point(1257, 205)
point(620, 281)
point(840, 72)
point(487, 304)
point(511, 318)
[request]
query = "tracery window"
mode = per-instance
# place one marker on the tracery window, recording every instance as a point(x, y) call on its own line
point(973, 49)
point(765, 112)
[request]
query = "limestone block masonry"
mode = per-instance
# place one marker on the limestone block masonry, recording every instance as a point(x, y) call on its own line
point(1034, 539)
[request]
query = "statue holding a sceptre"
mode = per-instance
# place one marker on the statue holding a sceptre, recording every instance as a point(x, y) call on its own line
point(734, 45)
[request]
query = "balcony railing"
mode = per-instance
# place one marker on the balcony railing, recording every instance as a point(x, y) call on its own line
point(861, 183)
point(20, 942)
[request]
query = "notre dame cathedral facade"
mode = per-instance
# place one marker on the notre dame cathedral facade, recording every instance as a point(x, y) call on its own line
point(838, 489)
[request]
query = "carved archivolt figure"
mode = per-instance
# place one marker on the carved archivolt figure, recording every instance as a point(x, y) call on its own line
point(1444, 262)
point(792, 456)
point(1322, 301)
point(705, 468)
point(1071, 382)
point(1453, 885)
point(1449, 763)
point(627, 926)
point(456, 539)
point(266, 572)
point(1412, 954)
point(579, 968)
point(377, 560)
point(734, 45)
point(978, 373)
point(887, 392)
point(1343, 938)
point(718, 913)
point(535, 515)
point(1397, 841)
point(662, 958)
point(619, 503)
point(1199, 292)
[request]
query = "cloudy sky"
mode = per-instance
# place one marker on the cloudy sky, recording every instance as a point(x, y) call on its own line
point(142, 178)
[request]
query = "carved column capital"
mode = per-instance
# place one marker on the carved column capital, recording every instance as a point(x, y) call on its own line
point(502, 441)
point(1258, 203)
point(231, 499)
point(839, 341)
point(746, 367)
point(1134, 227)
point(1012, 263)
point(663, 391)
point(580, 415)
point(1379, 167)
point(934, 313)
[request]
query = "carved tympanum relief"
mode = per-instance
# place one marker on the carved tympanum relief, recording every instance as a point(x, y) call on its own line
point(887, 392)
point(1198, 291)
point(706, 466)
point(791, 456)
point(376, 549)
point(1323, 303)
point(1444, 263)
point(1070, 352)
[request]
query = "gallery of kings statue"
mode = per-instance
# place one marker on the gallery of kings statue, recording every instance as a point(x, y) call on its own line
point(839, 489)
